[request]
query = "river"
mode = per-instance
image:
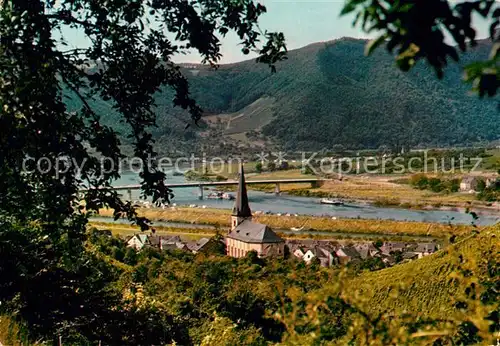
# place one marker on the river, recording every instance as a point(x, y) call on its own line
point(266, 202)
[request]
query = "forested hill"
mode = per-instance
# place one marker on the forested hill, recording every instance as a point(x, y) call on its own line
point(330, 93)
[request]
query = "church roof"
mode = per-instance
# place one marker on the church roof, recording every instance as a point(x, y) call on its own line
point(241, 207)
point(252, 232)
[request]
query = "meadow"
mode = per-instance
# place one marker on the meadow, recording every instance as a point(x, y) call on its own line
point(189, 234)
point(220, 218)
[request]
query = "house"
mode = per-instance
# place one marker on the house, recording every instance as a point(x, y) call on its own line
point(389, 247)
point(172, 243)
point(424, 249)
point(174, 246)
point(246, 235)
point(326, 257)
point(347, 254)
point(154, 241)
point(410, 256)
point(308, 256)
point(138, 241)
point(491, 182)
point(366, 250)
point(299, 252)
point(197, 246)
point(307, 250)
point(469, 184)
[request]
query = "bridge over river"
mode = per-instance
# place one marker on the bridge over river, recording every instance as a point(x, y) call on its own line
point(315, 182)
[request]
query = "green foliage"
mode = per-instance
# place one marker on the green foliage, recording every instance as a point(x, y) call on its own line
point(422, 182)
point(320, 99)
point(211, 299)
point(481, 185)
point(307, 170)
point(215, 246)
point(432, 301)
point(258, 167)
point(61, 105)
point(323, 102)
point(417, 30)
point(490, 193)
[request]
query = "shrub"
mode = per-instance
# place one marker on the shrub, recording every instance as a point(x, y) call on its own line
point(258, 167)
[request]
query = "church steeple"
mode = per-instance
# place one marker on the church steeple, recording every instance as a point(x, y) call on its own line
point(241, 209)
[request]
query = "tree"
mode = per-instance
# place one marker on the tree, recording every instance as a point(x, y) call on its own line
point(284, 166)
point(307, 170)
point(418, 30)
point(481, 185)
point(258, 167)
point(48, 152)
point(271, 166)
point(123, 64)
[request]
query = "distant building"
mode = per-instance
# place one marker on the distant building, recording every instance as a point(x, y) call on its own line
point(299, 252)
point(246, 235)
point(425, 249)
point(410, 256)
point(307, 249)
point(469, 184)
point(198, 245)
point(490, 182)
point(325, 255)
point(366, 250)
point(389, 247)
point(347, 254)
point(173, 243)
point(138, 241)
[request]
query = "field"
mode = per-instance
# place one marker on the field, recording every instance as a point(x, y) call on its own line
point(124, 230)
point(221, 218)
point(492, 161)
point(375, 188)
point(251, 118)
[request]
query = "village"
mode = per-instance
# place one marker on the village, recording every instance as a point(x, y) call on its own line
point(246, 236)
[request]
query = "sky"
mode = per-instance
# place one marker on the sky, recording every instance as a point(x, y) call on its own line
point(302, 21)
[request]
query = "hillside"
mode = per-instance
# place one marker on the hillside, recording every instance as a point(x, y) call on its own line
point(425, 287)
point(326, 94)
point(152, 297)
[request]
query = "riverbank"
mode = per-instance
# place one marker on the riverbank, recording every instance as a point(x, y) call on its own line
point(221, 217)
point(122, 229)
point(376, 190)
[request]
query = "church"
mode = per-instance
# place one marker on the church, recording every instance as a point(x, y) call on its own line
point(246, 235)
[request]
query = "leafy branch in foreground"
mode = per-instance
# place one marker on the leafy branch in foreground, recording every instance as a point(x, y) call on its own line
point(49, 152)
point(126, 61)
point(418, 30)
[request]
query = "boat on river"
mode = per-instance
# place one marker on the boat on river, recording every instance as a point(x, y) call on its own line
point(221, 195)
point(331, 201)
point(215, 195)
point(228, 196)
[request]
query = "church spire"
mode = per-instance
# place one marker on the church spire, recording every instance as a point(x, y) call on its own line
point(241, 207)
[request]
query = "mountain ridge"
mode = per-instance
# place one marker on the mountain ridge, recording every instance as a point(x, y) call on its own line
point(326, 94)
